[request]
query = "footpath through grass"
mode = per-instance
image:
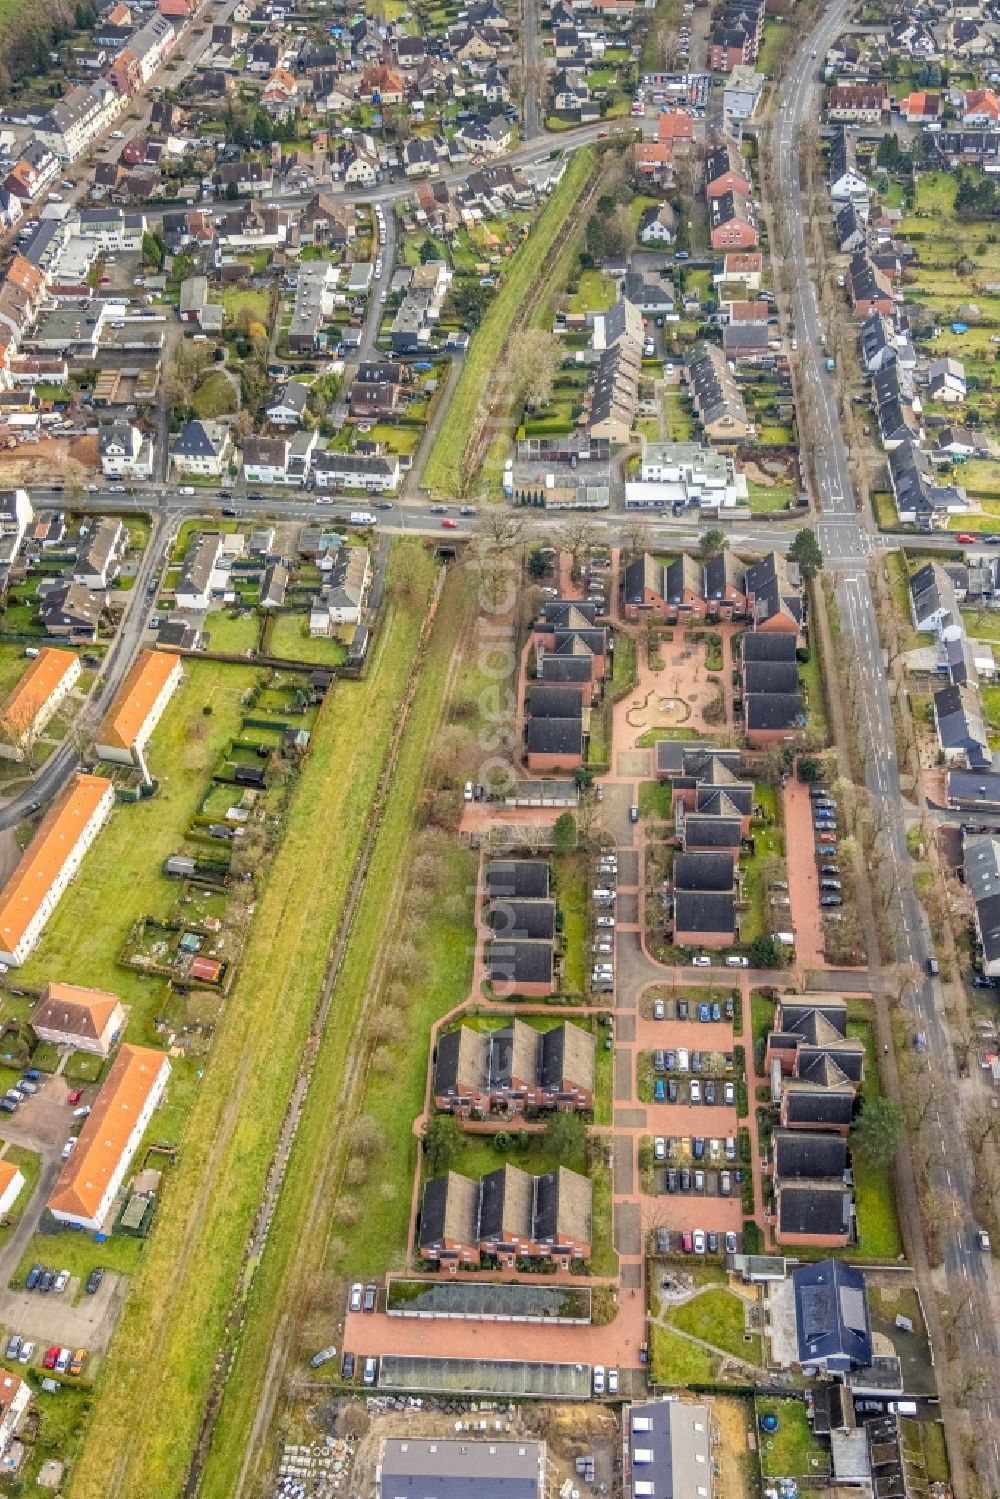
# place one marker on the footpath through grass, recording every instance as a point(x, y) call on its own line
point(377, 1238)
point(150, 1405)
point(443, 471)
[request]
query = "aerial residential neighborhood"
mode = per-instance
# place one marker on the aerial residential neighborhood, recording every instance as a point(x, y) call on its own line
point(499, 749)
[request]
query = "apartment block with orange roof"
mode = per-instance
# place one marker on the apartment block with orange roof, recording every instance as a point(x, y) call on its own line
point(138, 708)
point(38, 695)
point(85, 1193)
point(85, 1019)
point(49, 862)
point(11, 1183)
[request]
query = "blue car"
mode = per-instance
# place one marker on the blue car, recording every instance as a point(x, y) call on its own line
point(34, 1276)
point(660, 1091)
point(704, 1013)
point(32, 1075)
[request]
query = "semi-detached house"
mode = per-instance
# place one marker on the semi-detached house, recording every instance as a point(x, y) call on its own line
point(91, 1179)
point(49, 862)
point(138, 708)
point(37, 696)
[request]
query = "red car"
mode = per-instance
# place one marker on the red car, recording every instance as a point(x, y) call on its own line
point(449, 524)
point(75, 1096)
point(965, 536)
point(49, 1361)
point(687, 1242)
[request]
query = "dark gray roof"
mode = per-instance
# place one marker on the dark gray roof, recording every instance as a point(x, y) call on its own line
point(674, 1438)
point(449, 1210)
point(566, 613)
point(771, 676)
point(724, 570)
point(974, 788)
point(555, 736)
point(809, 1207)
point(520, 962)
point(763, 647)
point(831, 1314)
point(812, 1103)
point(523, 918)
point(809, 1153)
point(563, 1206)
point(960, 724)
point(703, 871)
point(709, 912)
point(527, 879)
point(773, 710)
point(642, 573)
point(713, 832)
point(555, 702)
point(564, 668)
point(442, 1468)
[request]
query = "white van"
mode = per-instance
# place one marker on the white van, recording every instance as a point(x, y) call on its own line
point(902, 1407)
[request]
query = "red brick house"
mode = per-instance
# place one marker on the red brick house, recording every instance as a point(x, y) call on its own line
point(514, 1069)
point(509, 1215)
point(732, 222)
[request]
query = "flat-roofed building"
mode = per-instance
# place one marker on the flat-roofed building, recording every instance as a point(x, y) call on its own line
point(668, 1450)
point(85, 1019)
point(435, 1468)
point(49, 862)
point(138, 708)
point(92, 1177)
point(37, 696)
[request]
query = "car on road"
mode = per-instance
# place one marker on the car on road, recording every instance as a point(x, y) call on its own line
point(699, 1241)
point(371, 1297)
point(383, 504)
point(659, 1012)
point(659, 1148)
point(347, 1367)
point(94, 1280)
point(449, 524)
point(52, 1354)
point(438, 509)
point(967, 537)
point(983, 1240)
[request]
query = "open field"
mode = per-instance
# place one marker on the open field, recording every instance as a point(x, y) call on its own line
point(377, 1236)
point(144, 1430)
point(443, 471)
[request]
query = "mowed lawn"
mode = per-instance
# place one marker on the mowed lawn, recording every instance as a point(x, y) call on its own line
point(144, 1425)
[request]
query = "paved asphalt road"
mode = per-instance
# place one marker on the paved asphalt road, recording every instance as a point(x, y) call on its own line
point(847, 545)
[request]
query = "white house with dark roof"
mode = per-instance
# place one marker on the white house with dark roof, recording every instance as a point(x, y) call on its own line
point(201, 448)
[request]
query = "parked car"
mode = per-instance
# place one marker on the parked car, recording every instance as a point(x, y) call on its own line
point(659, 1012)
point(94, 1280)
point(704, 1013)
point(735, 960)
point(730, 1242)
point(63, 1361)
point(699, 1180)
point(699, 1241)
point(729, 1093)
point(659, 1091)
point(695, 1090)
point(671, 1187)
point(75, 1096)
point(347, 1367)
point(709, 1092)
point(831, 900)
point(47, 1281)
point(371, 1297)
point(659, 1148)
point(598, 1379)
point(713, 1243)
point(687, 1241)
point(725, 1183)
point(701, 960)
point(671, 1060)
point(682, 1059)
point(659, 1061)
point(323, 1357)
point(730, 1147)
point(14, 1345)
point(696, 1061)
point(612, 1381)
point(682, 1009)
point(716, 1010)
point(357, 1292)
point(27, 1353)
point(685, 1179)
point(49, 1361)
point(61, 1282)
point(672, 1090)
point(698, 1147)
point(371, 1370)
